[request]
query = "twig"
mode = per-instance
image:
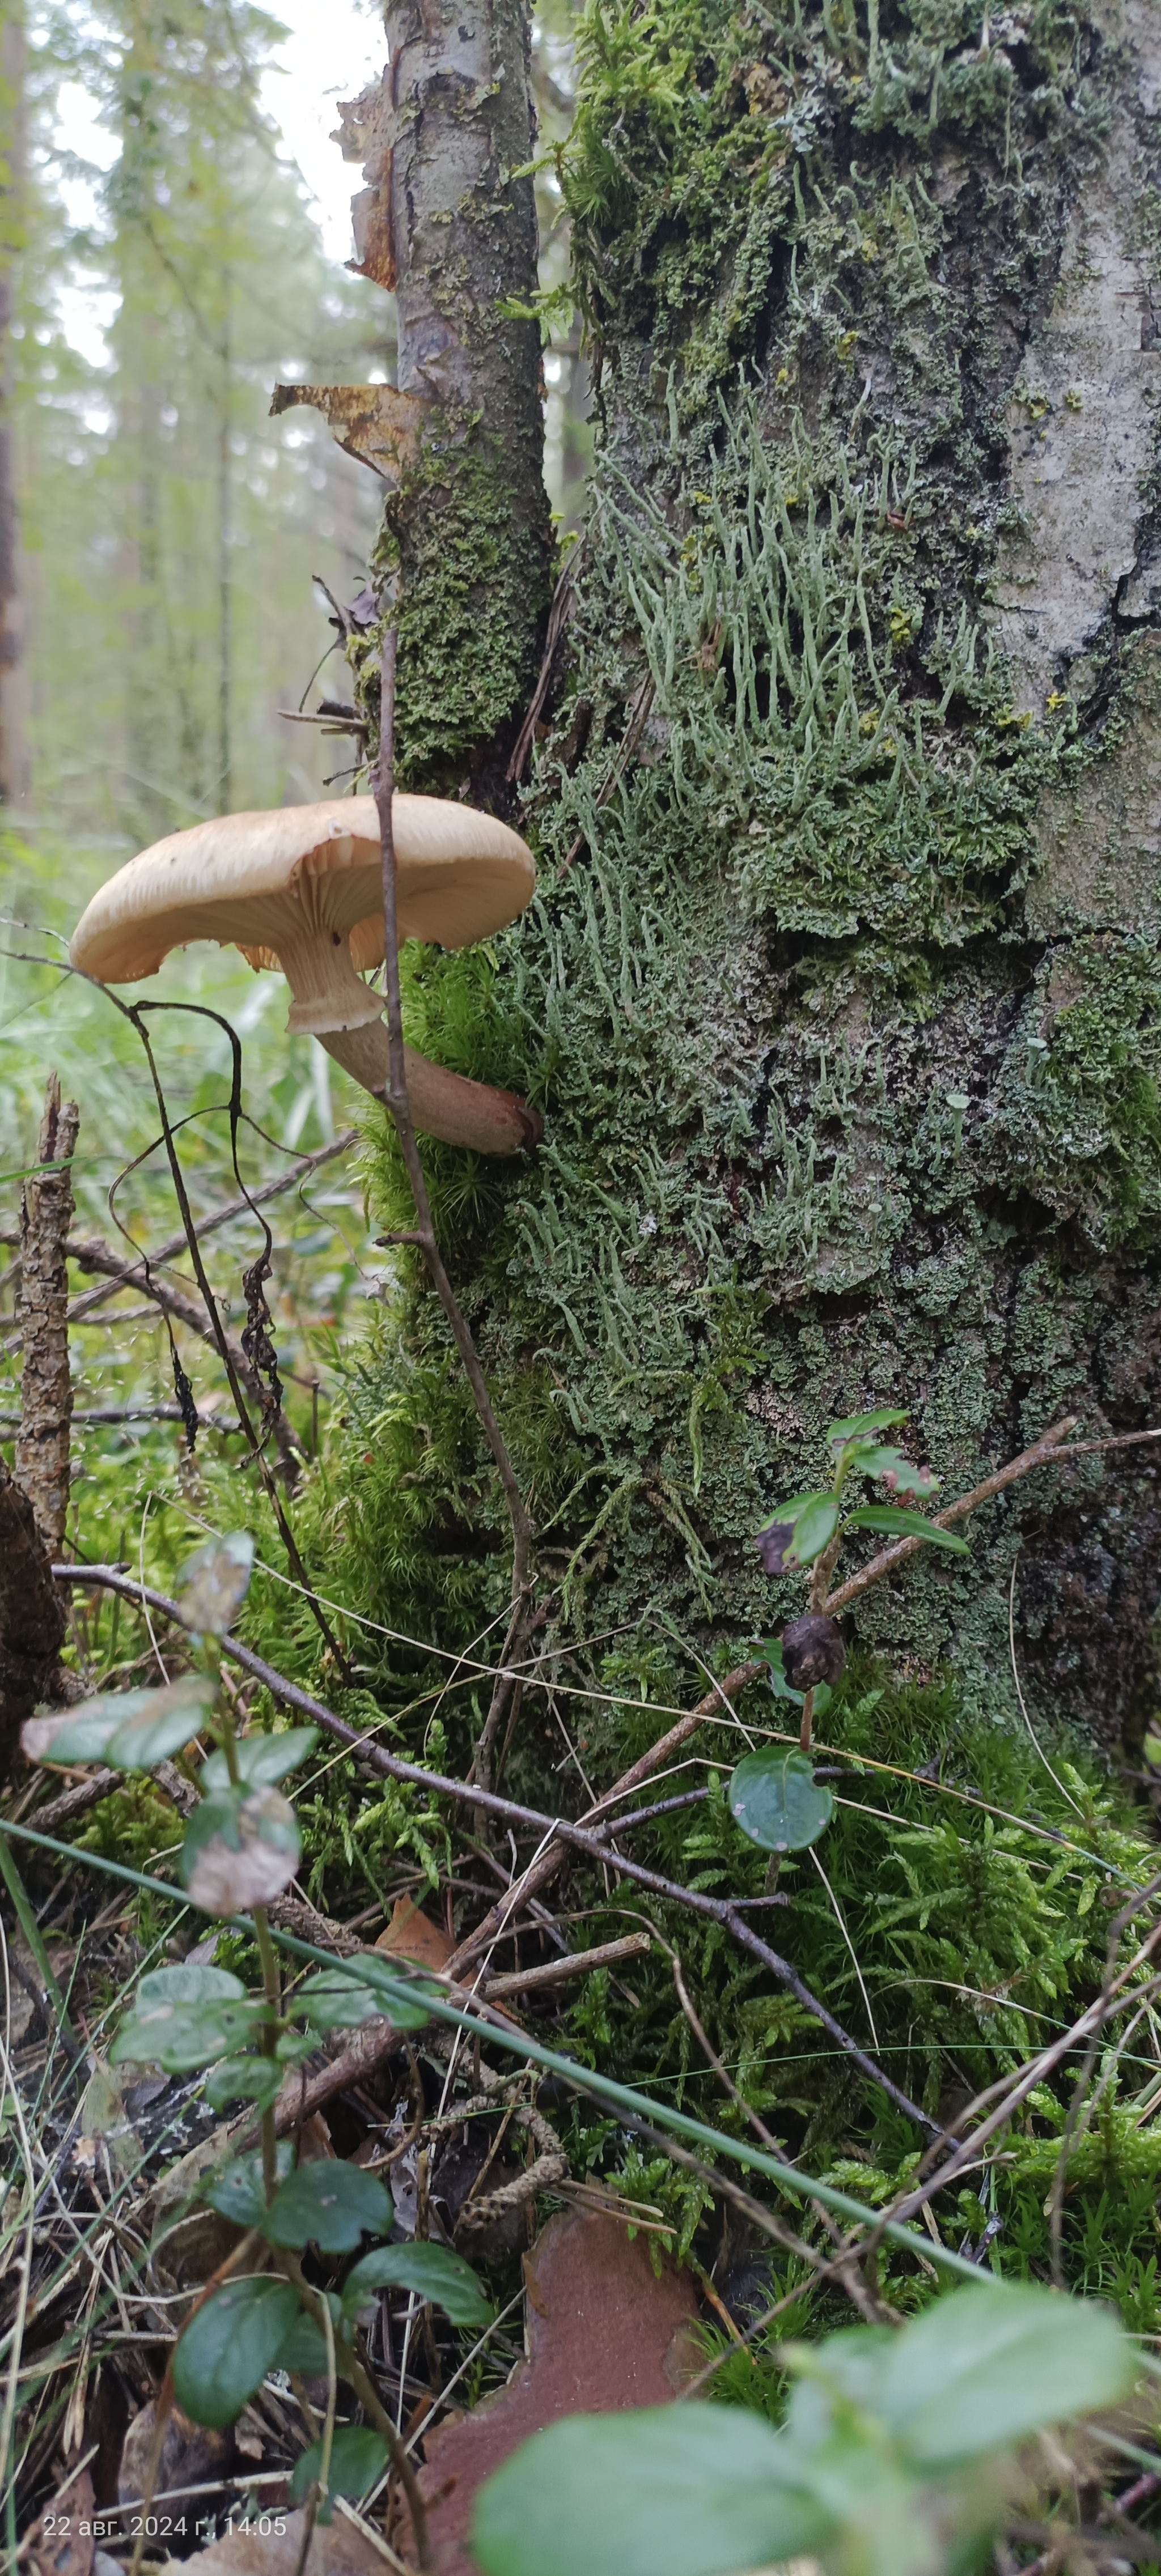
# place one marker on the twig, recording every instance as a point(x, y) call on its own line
point(400, 1108)
point(364, 2052)
point(575, 1963)
point(135, 1272)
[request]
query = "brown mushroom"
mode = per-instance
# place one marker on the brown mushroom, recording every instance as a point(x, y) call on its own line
point(301, 890)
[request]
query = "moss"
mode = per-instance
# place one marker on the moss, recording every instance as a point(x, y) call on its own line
point(467, 560)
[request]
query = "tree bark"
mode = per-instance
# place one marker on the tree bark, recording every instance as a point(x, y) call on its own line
point(13, 737)
point(446, 223)
point(46, 1393)
point(842, 995)
point(32, 1618)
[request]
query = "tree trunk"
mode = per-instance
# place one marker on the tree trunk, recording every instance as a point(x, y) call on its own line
point(446, 222)
point(842, 997)
point(13, 742)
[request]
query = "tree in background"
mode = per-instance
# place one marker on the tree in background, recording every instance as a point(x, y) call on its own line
point(840, 994)
point(12, 744)
point(173, 535)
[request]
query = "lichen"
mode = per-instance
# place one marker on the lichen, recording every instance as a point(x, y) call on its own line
point(791, 913)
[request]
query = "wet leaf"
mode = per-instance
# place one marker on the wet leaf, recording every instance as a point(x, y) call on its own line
point(777, 1801)
point(228, 2347)
point(214, 1582)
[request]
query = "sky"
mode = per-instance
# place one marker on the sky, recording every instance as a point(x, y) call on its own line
point(329, 52)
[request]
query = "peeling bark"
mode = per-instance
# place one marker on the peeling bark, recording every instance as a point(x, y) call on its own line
point(444, 223)
point(46, 1394)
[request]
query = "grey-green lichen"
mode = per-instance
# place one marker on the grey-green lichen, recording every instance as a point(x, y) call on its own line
point(843, 1105)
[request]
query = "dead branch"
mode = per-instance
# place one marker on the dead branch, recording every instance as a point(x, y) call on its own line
point(46, 1395)
point(32, 1617)
point(575, 1963)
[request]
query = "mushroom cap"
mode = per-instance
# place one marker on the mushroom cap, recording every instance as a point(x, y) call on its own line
point(246, 878)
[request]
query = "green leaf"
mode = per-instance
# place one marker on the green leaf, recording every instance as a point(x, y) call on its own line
point(357, 2457)
point(305, 2347)
point(179, 2037)
point(72, 1735)
point(243, 2079)
point(883, 1516)
point(983, 2368)
point(813, 1530)
point(332, 2001)
point(661, 2491)
point(237, 2191)
point(788, 1512)
point(405, 1998)
point(228, 2347)
point(213, 1584)
point(890, 1466)
point(262, 1759)
point(840, 1432)
point(189, 1985)
point(241, 1848)
point(330, 2205)
point(169, 1720)
point(777, 1801)
point(432, 2271)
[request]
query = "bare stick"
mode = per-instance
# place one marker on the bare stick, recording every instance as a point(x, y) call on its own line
point(399, 1106)
point(46, 1395)
point(575, 1963)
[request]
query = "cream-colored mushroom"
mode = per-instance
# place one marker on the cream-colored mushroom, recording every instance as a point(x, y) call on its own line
point(301, 890)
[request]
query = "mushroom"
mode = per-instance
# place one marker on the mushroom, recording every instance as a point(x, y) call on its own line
point(301, 889)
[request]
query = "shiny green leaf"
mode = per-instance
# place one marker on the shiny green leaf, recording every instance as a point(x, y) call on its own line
point(262, 1759)
point(432, 2271)
point(236, 2191)
point(840, 1432)
point(228, 2347)
point(883, 1516)
point(777, 1801)
point(813, 1530)
point(357, 2457)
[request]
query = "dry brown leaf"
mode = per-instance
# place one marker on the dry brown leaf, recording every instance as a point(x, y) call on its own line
point(600, 2328)
point(337, 2550)
point(68, 2552)
point(191, 2454)
point(375, 423)
point(412, 1935)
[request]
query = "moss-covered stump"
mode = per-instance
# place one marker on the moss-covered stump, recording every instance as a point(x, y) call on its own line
point(840, 994)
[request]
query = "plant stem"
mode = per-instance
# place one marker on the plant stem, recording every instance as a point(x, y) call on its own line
point(271, 1980)
point(399, 1106)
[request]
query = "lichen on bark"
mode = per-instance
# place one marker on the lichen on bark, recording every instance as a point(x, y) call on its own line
point(822, 857)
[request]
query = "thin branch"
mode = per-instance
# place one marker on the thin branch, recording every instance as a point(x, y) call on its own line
point(1044, 1452)
point(694, 1900)
point(135, 1272)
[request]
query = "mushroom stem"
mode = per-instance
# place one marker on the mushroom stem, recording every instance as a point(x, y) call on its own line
point(443, 1104)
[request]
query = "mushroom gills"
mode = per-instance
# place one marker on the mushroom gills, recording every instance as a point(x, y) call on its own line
point(443, 1104)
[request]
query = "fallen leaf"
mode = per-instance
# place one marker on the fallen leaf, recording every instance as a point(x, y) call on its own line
point(191, 2455)
point(375, 423)
point(67, 2553)
point(412, 1935)
point(600, 2327)
point(338, 2549)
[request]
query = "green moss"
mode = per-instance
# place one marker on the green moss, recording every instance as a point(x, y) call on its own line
point(469, 557)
